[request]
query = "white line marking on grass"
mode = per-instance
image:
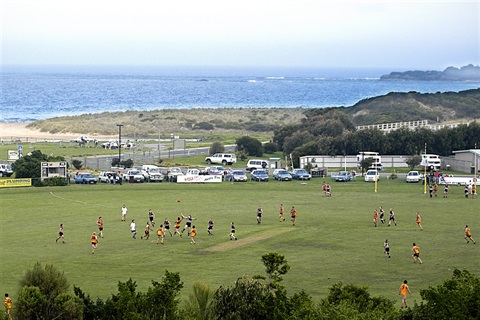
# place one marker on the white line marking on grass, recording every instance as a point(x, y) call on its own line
point(76, 201)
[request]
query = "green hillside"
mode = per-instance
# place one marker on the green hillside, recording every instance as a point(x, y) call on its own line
point(396, 107)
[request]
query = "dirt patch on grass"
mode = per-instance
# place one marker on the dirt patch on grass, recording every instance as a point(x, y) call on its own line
point(242, 242)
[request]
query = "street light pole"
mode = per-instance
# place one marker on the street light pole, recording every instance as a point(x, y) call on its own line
point(119, 141)
point(425, 171)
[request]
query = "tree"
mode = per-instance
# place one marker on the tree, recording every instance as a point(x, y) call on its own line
point(77, 164)
point(354, 302)
point(250, 298)
point(43, 295)
point(216, 147)
point(29, 165)
point(253, 147)
point(275, 266)
point(199, 304)
point(270, 147)
point(161, 300)
point(457, 298)
point(413, 161)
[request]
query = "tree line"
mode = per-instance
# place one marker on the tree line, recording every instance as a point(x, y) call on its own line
point(331, 132)
point(44, 294)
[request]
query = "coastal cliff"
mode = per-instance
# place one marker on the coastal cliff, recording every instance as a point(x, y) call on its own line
point(466, 73)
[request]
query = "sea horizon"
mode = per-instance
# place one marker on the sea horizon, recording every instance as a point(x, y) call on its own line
point(32, 93)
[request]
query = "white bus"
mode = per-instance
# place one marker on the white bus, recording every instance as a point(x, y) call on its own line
point(431, 161)
point(376, 163)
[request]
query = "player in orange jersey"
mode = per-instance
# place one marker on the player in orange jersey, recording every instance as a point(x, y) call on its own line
point(293, 215)
point(160, 234)
point(404, 289)
point(416, 253)
point(7, 303)
point(418, 221)
point(375, 217)
point(193, 233)
point(100, 227)
point(94, 240)
point(468, 235)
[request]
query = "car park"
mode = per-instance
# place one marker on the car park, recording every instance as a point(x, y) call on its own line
point(134, 175)
point(372, 176)
point(85, 178)
point(254, 164)
point(259, 175)
point(237, 176)
point(281, 175)
point(413, 176)
point(300, 174)
point(343, 176)
point(222, 158)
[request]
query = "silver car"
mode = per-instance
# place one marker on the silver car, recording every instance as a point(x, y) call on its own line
point(237, 176)
point(281, 175)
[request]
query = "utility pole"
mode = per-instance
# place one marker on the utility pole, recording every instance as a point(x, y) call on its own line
point(119, 142)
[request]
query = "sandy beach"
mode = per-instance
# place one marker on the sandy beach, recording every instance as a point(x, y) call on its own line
point(12, 131)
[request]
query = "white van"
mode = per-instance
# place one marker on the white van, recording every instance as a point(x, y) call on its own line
point(375, 156)
point(431, 161)
point(254, 164)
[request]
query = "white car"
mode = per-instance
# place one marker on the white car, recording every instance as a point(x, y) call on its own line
point(413, 176)
point(372, 176)
point(134, 176)
point(222, 158)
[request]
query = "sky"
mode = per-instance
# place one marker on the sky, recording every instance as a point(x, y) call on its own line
point(397, 34)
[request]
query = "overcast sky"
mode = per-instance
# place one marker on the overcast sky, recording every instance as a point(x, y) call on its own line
point(397, 34)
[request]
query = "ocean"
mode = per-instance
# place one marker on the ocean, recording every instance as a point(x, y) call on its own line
point(38, 92)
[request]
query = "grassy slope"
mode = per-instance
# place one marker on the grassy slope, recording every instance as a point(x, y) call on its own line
point(334, 239)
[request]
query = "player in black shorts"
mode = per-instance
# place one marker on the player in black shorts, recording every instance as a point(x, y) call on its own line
point(210, 227)
point(166, 226)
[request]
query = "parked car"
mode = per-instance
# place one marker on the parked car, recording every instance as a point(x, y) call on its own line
point(215, 170)
point(171, 173)
point(372, 176)
point(237, 176)
point(222, 158)
point(152, 173)
point(413, 176)
point(85, 178)
point(108, 177)
point(300, 174)
point(82, 139)
point(259, 175)
point(5, 170)
point(134, 175)
point(112, 144)
point(254, 164)
point(281, 175)
point(343, 176)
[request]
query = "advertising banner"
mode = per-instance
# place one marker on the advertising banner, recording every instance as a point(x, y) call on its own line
point(199, 179)
point(8, 183)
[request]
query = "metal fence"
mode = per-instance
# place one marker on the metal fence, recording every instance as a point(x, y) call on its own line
point(104, 162)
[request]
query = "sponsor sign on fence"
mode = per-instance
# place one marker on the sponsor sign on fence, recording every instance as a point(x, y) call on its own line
point(8, 183)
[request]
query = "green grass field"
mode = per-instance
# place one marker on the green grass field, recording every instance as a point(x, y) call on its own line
point(334, 239)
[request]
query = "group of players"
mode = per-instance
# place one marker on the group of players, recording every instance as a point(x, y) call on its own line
point(380, 214)
point(164, 228)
